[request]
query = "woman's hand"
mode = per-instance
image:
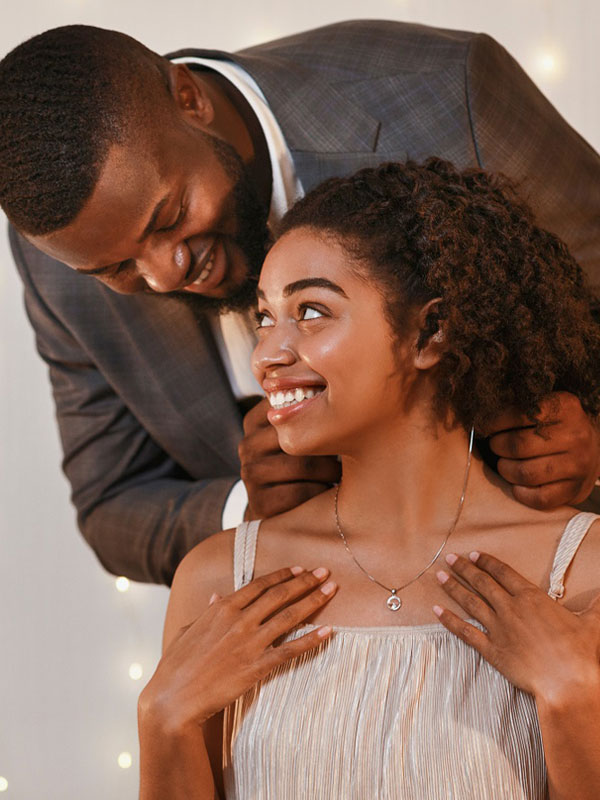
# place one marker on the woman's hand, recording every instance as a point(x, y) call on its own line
point(537, 644)
point(229, 647)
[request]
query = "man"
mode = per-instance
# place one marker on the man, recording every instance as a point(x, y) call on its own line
point(141, 189)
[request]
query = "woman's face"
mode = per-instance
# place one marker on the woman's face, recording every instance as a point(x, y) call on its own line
point(327, 358)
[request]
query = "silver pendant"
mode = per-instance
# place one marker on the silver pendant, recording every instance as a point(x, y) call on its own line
point(393, 601)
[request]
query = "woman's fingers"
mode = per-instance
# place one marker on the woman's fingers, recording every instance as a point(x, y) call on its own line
point(502, 574)
point(296, 647)
point(253, 590)
point(294, 614)
point(472, 603)
point(283, 594)
point(465, 631)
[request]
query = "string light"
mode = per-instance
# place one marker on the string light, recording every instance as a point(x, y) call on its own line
point(548, 63)
point(135, 671)
point(122, 584)
point(125, 760)
point(3, 784)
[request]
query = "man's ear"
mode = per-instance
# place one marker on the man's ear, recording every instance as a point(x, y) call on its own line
point(191, 95)
point(430, 343)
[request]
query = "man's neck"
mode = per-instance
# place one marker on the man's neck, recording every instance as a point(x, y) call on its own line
point(242, 127)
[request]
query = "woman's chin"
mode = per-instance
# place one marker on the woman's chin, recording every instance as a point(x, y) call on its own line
point(303, 447)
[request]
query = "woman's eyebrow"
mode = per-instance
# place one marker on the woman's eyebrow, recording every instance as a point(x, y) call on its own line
point(307, 283)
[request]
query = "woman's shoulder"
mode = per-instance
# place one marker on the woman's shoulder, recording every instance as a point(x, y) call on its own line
point(582, 579)
point(207, 569)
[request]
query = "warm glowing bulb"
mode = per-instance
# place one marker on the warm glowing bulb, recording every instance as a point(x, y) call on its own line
point(3, 784)
point(125, 760)
point(549, 63)
point(122, 584)
point(135, 671)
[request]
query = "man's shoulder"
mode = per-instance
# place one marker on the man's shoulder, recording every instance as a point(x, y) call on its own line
point(381, 33)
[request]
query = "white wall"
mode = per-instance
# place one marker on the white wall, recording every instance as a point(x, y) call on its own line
point(67, 637)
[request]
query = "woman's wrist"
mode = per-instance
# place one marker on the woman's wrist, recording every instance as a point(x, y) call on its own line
point(570, 691)
point(162, 717)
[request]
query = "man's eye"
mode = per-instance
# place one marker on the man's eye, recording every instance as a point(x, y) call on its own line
point(262, 320)
point(172, 227)
point(308, 312)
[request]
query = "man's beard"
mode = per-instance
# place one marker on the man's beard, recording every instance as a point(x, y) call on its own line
point(252, 236)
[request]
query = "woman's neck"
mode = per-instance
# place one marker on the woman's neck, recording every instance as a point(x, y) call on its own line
point(407, 486)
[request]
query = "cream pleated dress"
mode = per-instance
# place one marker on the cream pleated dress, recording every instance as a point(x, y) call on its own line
point(392, 713)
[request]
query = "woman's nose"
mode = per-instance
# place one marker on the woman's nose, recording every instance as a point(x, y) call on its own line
point(275, 349)
point(165, 267)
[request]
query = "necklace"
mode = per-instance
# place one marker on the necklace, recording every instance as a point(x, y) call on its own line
point(393, 601)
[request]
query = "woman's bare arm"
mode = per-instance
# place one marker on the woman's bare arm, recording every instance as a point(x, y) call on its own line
point(213, 652)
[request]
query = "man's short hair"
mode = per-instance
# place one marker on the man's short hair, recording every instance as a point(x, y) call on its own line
point(66, 96)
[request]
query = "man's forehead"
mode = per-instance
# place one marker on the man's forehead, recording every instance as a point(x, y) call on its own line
point(128, 191)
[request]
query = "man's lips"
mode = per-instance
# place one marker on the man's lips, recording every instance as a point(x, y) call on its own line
point(198, 265)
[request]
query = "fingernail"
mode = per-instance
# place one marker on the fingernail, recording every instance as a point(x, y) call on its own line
point(441, 576)
point(451, 558)
point(474, 556)
point(213, 598)
point(296, 570)
point(320, 572)
point(438, 610)
point(324, 631)
point(329, 587)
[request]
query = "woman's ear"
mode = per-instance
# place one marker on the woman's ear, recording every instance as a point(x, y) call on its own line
point(191, 95)
point(430, 343)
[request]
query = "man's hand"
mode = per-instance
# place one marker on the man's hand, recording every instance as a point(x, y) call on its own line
point(275, 481)
point(560, 464)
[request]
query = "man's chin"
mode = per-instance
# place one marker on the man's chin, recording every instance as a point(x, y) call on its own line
point(239, 298)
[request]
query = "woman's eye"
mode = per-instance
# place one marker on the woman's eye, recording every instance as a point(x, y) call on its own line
point(262, 320)
point(310, 313)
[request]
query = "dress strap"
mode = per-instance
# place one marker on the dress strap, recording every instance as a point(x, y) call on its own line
point(244, 553)
point(572, 537)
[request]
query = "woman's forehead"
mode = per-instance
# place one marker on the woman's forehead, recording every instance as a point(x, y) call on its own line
point(305, 253)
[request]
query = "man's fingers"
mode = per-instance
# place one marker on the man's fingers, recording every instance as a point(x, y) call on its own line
point(276, 499)
point(526, 443)
point(282, 468)
point(257, 417)
point(537, 471)
point(550, 495)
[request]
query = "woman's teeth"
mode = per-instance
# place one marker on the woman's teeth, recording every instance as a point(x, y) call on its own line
point(292, 396)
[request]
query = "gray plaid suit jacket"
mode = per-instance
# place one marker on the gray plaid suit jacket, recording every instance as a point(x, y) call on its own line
point(148, 422)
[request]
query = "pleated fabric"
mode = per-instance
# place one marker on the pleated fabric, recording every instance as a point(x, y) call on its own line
point(391, 713)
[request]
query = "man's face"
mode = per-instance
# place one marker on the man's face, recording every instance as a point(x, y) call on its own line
point(180, 215)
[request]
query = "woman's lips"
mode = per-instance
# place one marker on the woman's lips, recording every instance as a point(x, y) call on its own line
point(285, 405)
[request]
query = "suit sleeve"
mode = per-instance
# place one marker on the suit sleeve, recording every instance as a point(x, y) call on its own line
point(517, 131)
point(138, 510)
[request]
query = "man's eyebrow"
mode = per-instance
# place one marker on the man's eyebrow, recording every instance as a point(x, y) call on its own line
point(146, 232)
point(152, 221)
point(307, 283)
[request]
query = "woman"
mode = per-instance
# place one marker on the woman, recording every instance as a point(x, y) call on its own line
point(400, 309)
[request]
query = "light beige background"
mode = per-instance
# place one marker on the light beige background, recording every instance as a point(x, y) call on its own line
point(67, 637)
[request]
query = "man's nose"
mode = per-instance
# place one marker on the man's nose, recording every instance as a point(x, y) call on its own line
point(276, 349)
point(164, 267)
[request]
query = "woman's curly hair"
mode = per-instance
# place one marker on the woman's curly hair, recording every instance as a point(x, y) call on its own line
point(514, 311)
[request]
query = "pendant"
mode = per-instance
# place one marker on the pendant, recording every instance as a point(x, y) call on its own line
point(393, 601)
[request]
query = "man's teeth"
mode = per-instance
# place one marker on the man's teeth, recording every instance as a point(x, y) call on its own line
point(292, 396)
point(207, 268)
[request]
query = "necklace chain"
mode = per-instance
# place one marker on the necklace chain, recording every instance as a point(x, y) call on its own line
point(393, 601)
